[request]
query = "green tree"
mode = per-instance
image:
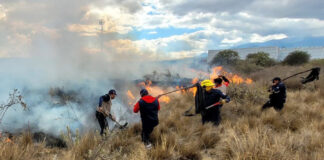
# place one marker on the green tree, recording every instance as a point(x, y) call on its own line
point(225, 57)
point(261, 59)
point(297, 58)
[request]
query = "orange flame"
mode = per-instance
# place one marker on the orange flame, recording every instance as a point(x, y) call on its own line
point(234, 78)
point(130, 95)
point(154, 91)
point(248, 81)
point(194, 89)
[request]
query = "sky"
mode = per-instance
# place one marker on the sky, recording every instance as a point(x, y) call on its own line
point(155, 29)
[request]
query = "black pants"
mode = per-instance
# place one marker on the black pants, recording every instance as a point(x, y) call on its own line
point(277, 105)
point(211, 115)
point(147, 129)
point(102, 122)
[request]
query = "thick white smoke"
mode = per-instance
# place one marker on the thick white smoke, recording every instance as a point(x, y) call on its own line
point(62, 59)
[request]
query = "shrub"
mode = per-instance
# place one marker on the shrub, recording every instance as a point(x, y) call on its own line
point(225, 57)
point(261, 59)
point(246, 67)
point(297, 58)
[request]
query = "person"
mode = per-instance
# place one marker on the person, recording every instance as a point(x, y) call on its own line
point(212, 97)
point(220, 85)
point(103, 110)
point(148, 107)
point(277, 96)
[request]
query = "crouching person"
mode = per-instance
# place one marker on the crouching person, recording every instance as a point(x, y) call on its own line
point(148, 107)
point(277, 96)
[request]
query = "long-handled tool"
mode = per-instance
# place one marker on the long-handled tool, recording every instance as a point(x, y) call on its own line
point(118, 124)
point(314, 73)
point(121, 126)
point(194, 85)
point(186, 113)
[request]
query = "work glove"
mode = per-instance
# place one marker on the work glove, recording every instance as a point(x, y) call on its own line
point(223, 101)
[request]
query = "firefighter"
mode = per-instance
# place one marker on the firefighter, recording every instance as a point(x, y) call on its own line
point(103, 110)
point(277, 96)
point(221, 83)
point(148, 107)
point(212, 97)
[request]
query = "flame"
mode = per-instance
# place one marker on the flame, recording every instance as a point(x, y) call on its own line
point(237, 79)
point(154, 91)
point(248, 81)
point(8, 140)
point(216, 72)
point(233, 78)
point(194, 89)
point(130, 95)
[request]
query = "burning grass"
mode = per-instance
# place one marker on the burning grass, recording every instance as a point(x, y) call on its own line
point(244, 133)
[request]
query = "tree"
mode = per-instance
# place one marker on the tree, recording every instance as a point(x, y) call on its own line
point(261, 59)
point(225, 57)
point(297, 58)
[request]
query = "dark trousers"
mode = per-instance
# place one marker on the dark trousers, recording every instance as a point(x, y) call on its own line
point(277, 105)
point(102, 122)
point(147, 129)
point(211, 115)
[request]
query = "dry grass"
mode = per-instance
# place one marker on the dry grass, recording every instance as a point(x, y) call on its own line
point(245, 133)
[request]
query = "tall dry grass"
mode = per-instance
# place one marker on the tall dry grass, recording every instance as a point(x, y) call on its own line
point(244, 133)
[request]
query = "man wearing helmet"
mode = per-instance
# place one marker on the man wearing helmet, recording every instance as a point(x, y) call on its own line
point(103, 110)
point(277, 96)
point(148, 107)
point(213, 101)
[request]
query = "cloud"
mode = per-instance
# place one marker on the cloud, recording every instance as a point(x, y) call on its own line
point(235, 40)
point(267, 8)
point(259, 38)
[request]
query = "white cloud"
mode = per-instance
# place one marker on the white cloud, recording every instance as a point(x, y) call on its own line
point(258, 38)
point(221, 24)
point(235, 40)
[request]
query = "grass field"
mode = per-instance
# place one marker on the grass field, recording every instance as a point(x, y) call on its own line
point(297, 132)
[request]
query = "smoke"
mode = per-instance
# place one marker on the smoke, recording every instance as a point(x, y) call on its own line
point(60, 68)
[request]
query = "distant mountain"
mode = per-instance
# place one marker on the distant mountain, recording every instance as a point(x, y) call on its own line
point(288, 43)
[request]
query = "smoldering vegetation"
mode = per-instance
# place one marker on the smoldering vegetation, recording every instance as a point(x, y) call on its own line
point(244, 133)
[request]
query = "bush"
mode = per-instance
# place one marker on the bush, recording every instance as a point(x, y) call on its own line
point(225, 57)
point(297, 58)
point(246, 67)
point(261, 59)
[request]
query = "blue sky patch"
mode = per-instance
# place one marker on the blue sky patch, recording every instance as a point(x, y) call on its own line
point(150, 34)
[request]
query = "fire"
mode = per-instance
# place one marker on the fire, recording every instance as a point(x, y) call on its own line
point(165, 99)
point(233, 78)
point(194, 89)
point(130, 95)
point(248, 81)
point(154, 91)
point(216, 72)
point(237, 79)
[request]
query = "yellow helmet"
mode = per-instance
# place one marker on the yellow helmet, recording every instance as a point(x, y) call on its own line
point(207, 83)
